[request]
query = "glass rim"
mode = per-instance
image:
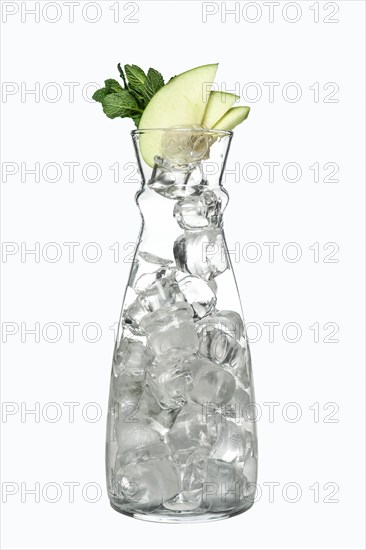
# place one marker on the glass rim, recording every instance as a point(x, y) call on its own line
point(210, 131)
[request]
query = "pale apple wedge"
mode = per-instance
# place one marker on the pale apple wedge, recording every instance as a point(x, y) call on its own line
point(232, 118)
point(218, 104)
point(181, 102)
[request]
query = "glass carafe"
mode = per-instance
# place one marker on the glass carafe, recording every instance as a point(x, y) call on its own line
point(181, 436)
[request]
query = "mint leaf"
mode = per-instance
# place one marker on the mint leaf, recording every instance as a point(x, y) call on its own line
point(121, 104)
point(112, 85)
point(136, 79)
point(154, 81)
point(100, 94)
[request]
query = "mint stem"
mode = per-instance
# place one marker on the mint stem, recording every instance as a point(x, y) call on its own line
point(122, 75)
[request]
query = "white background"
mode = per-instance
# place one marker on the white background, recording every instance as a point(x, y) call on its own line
point(172, 37)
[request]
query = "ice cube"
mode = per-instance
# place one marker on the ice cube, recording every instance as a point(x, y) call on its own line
point(126, 391)
point(188, 433)
point(231, 322)
point(234, 444)
point(211, 383)
point(236, 409)
point(197, 211)
point(150, 412)
point(242, 368)
point(140, 454)
point(218, 338)
point(148, 279)
point(175, 182)
point(198, 293)
point(171, 329)
point(146, 485)
point(164, 291)
point(182, 145)
point(162, 176)
point(213, 484)
point(179, 503)
point(194, 477)
point(169, 380)
point(137, 487)
point(250, 470)
point(223, 488)
point(132, 434)
point(214, 419)
point(152, 259)
point(133, 315)
point(202, 253)
point(132, 358)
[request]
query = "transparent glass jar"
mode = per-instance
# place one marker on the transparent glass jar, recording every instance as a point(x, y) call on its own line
point(181, 436)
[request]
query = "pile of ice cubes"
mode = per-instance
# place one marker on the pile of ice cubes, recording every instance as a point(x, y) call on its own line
point(181, 380)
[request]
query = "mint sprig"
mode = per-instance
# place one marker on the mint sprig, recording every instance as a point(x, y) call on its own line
point(131, 99)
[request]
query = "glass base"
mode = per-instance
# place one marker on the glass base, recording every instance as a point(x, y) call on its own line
point(181, 516)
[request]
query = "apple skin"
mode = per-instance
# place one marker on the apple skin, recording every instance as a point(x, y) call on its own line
point(181, 102)
point(218, 104)
point(232, 118)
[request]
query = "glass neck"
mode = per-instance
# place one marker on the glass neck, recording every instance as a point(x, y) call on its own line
point(182, 156)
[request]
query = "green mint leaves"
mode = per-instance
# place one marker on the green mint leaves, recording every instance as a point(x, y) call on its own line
point(111, 86)
point(154, 81)
point(130, 99)
point(120, 104)
point(136, 79)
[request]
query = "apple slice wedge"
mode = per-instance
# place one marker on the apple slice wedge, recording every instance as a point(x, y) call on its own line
point(181, 102)
point(232, 118)
point(218, 104)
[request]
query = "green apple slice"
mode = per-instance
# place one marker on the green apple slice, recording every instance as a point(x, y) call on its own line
point(232, 118)
point(218, 104)
point(181, 102)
